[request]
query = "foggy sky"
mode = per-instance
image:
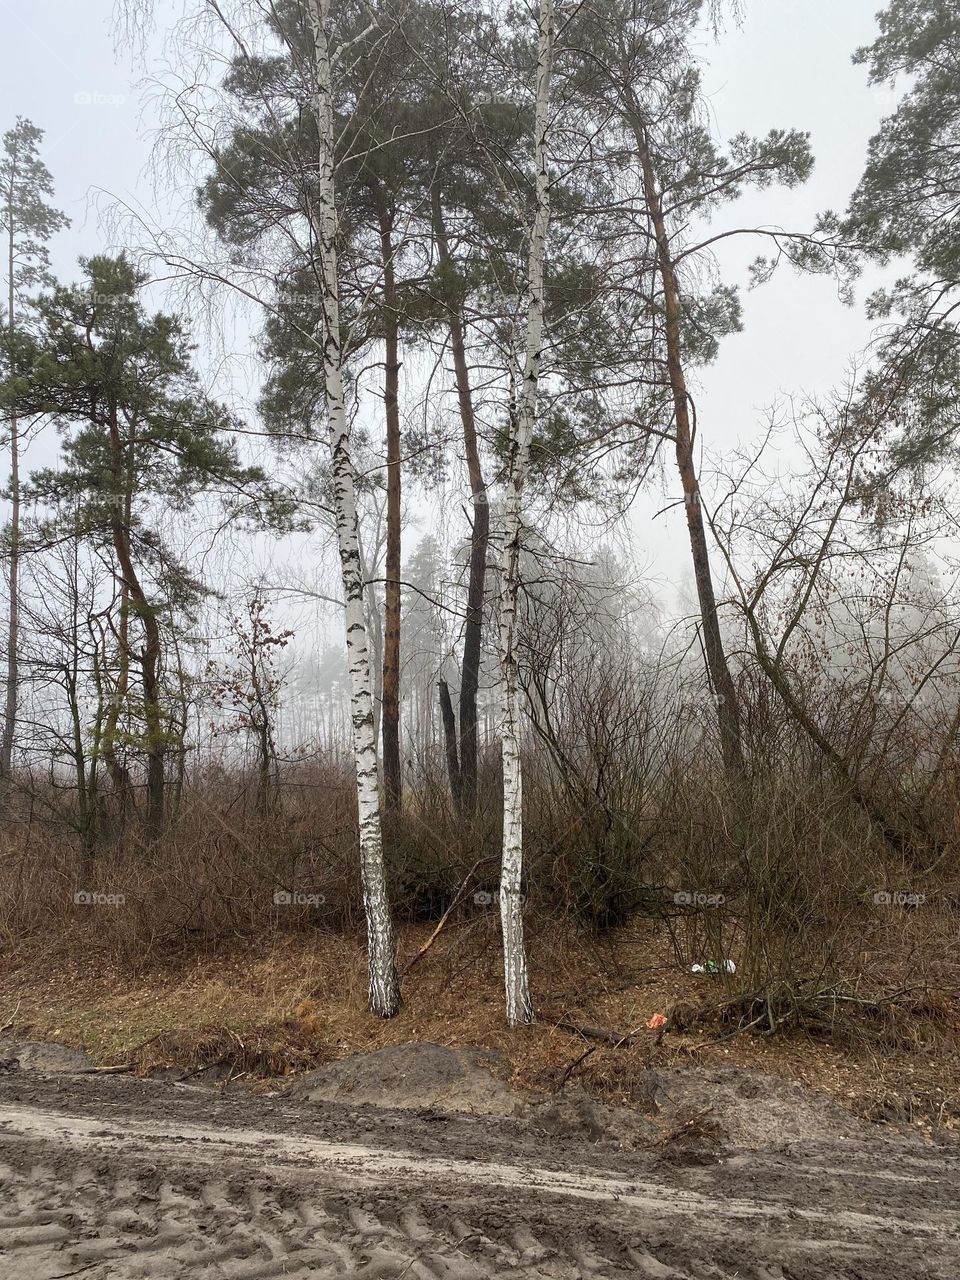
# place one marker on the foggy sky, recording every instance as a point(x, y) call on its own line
point(789, 65)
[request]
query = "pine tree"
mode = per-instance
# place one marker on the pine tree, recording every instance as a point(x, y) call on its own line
point(120, 386)
point(380, 138)
point(906, 206)
point(638, 74)
point(28, 222)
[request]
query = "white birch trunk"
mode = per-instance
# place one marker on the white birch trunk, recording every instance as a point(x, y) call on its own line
point(523, 418)
point(383, 984)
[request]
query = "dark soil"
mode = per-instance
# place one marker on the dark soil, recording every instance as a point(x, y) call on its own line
point(724, 1175)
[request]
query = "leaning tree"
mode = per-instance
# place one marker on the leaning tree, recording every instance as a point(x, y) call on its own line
point(670, 181)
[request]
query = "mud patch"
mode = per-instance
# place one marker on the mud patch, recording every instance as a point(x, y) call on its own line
point(754, 1111)
point(689, 1116)
point(420, 1077)
point(575, 1114)
point(695, 1139)
point(37, 1055)
point(123, 1179)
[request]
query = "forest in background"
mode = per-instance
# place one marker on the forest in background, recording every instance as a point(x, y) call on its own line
point(476, 246)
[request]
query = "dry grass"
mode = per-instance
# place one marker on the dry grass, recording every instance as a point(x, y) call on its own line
point(289, 1002)
point(199, 967)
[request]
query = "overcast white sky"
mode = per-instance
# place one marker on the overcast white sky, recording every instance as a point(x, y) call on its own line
point(789, 65)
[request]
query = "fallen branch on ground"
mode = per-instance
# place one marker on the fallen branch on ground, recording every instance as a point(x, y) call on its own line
point(614, 1038)
point(457, 899)
point(606, 1039)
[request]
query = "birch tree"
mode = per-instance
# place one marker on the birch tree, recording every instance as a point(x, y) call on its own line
point(287, 66)
point(384, 991)
point(523, 413)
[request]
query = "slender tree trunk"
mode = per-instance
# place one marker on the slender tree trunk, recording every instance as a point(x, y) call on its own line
point(178, 733)
point(95, 732)
point(13, 580)
point(384, 990)
point(392, 771)
point(450, 743)
point(523, 418)
point(373, 621)
point(119, 773)
point(150, 676)
point(267, 776)
point(72, 681)
point(728, 715)
point(479, 540)
point(150, 657)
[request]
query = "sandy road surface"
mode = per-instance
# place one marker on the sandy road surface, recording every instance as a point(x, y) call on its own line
point(112, 1179)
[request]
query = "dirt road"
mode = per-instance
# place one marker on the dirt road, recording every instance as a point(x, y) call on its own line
point(114, 1178)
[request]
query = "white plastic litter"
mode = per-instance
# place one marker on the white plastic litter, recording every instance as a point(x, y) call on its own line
point(725, 966)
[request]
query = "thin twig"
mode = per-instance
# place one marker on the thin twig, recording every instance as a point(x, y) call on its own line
point(727, 1035)
point(606, 1038)
point(457, 899)
point(143, 1043)
point(13, 1017)
point(204, 1066)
